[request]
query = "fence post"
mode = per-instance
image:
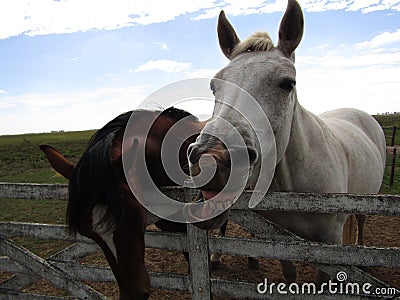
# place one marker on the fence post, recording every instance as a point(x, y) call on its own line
point(198, 257)
point(392, 168)
point(393, 136)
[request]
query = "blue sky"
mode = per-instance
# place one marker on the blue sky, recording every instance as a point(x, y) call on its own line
point(74, 65)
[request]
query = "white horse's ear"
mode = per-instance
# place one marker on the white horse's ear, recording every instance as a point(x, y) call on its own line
point(291, 28)
point(227, 36)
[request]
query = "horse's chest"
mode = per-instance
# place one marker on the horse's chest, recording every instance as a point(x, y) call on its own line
point(106, 235)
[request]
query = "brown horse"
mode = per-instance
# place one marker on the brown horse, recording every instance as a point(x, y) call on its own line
point(101, 205)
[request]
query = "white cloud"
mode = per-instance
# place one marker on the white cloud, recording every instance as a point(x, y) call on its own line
point(34, 112)
point(164, 65)
point(208, 14)
point(49, 16)
point(356, 60)
point(372, 89)
point(380, 40)
point(362, 4)
point(316, 6)
point(54, 17)
point(201, 73)
point(363, 80)
point(163, 46)
point(365, 6)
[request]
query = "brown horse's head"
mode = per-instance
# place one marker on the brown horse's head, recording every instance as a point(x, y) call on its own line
point(101, 204)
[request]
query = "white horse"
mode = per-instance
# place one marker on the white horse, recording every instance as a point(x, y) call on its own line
point(340, 151)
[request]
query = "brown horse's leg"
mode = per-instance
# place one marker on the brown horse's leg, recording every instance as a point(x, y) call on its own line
point(322, 277)
point(288, 270)
point(215, 259)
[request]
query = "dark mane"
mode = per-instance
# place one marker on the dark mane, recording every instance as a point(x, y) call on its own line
point(177, 114)
point(93, 181)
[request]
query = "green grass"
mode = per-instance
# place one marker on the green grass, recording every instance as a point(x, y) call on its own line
point(33, 211)
point(388, 130)
point(388, 120)
point(21, 160)
point(385, 189)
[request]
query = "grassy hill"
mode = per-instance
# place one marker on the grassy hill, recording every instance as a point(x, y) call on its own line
point(388, 119)
point(22, 161)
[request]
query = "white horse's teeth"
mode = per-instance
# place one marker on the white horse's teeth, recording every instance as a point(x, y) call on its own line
point(210, 204)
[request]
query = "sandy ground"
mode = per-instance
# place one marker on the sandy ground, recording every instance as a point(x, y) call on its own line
point(380, 232)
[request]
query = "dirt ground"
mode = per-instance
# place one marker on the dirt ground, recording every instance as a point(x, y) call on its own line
point(379, 232)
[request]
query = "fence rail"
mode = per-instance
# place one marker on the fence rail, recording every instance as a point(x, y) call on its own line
point(271, 242)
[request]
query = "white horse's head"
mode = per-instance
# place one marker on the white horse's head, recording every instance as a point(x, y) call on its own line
point(260, 73)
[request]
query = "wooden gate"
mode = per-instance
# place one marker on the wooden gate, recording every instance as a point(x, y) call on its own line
point(63, 270)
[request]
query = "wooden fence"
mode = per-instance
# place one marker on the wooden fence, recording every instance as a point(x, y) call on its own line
point(390, 135)
point(391, 150)
point(63, 270)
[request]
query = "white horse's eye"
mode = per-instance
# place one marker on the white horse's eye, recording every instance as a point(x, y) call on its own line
point(287, 84)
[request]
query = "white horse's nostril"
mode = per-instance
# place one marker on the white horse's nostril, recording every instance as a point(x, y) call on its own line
point(193, 153)
point(253, 154)
point(243, 155)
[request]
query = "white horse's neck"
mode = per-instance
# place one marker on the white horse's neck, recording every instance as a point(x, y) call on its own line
point(306, 129)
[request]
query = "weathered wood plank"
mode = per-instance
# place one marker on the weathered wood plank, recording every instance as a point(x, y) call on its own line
point(245, 290)
point(153, 239)
point(10, 266)
point(7, 294)
point(262, 227)
point(85, 272)
point(307, 252)
point(353, 273)
point(167, 241)
point(40, 231)
point(170, 281)
point(18, 281)
point(288, 201)
point(75, 251)
point(267, 230)
point(199, 263)
point(95, 273)
point(388, 205)
point(219, 287)
point(33, 191)
point(199, 258)
point(45, 270)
